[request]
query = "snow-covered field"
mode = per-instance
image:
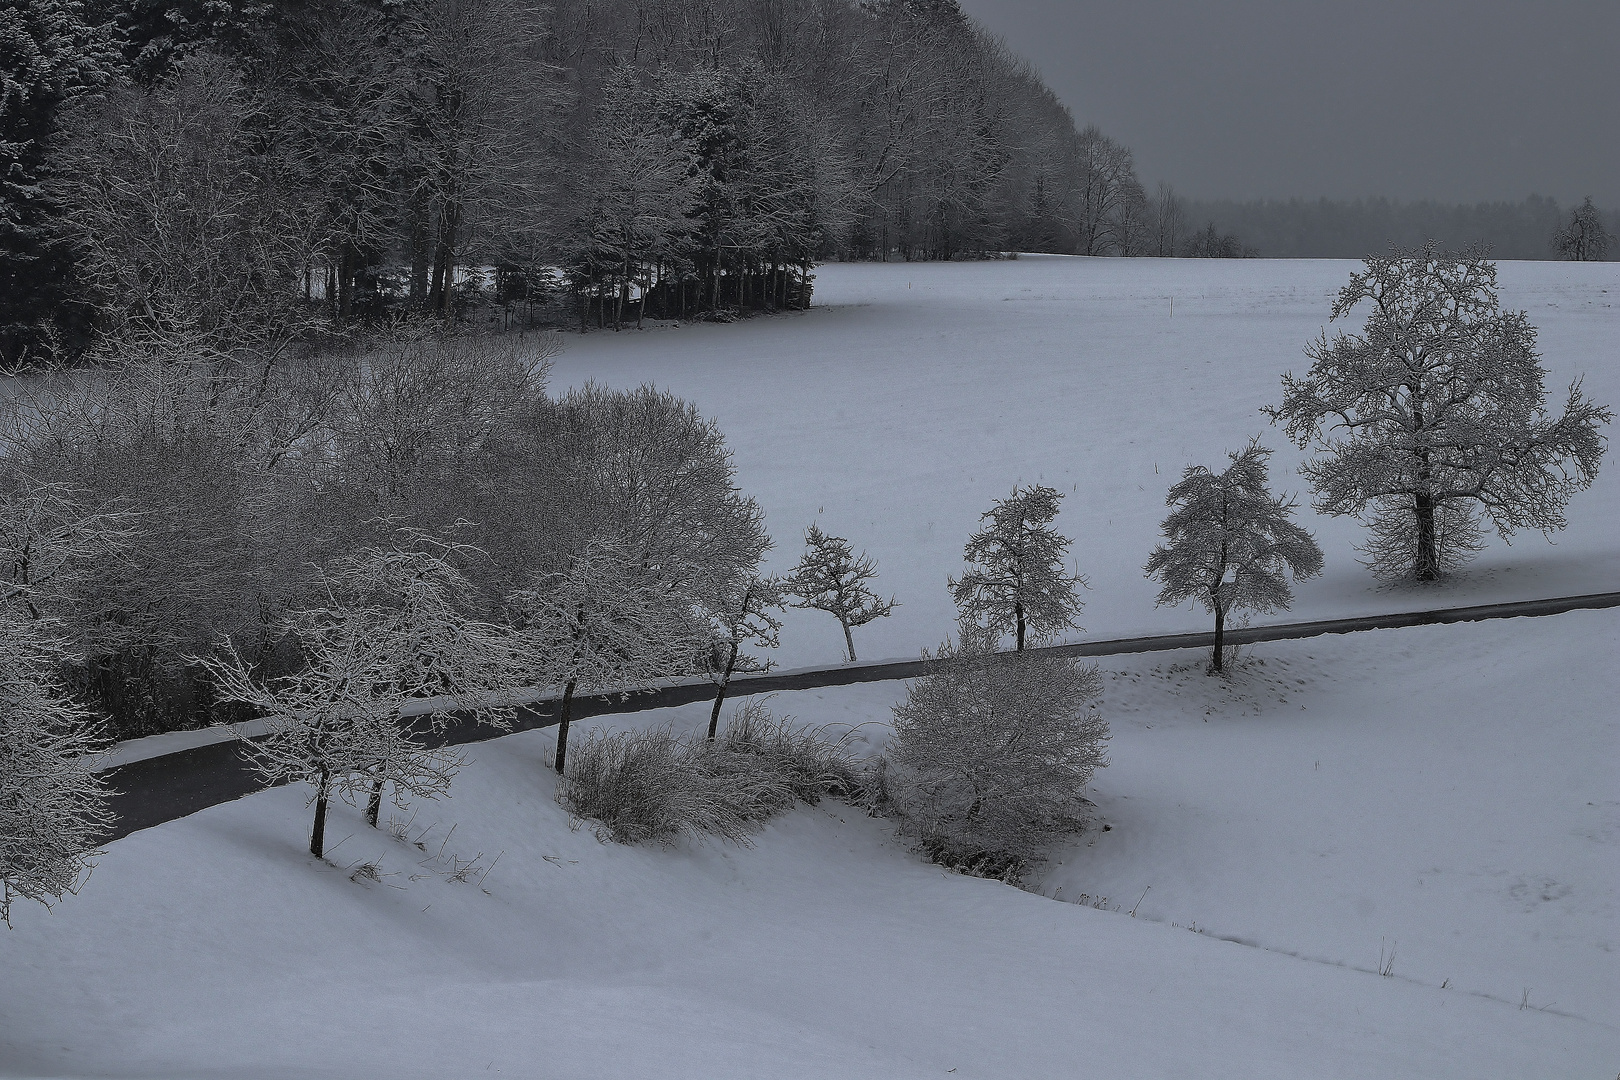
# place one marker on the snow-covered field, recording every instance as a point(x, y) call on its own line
point(911, 396)
point(1445, 795)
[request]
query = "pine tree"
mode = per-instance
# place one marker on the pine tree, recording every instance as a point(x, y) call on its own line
point(831, 578)
point(1437, 408)
point(1229, 541)
point(1016, 581)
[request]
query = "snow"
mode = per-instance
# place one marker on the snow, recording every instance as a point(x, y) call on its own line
point(1445, 792)
point(911, 396)
point(1456, 810)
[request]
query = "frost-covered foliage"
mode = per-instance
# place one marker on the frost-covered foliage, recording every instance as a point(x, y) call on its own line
point(991, 755)
point(742, 616)
point(1229, 544)
point(396, 636)
point(606, 623)
point(1583, 237)
point(52, 804)
point(1391, 548)
point(655, 785)
point(832, 578)
point(1438, 402)
point(1015, 581)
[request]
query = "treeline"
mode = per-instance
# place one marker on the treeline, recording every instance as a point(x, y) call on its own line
point(1349, 229)
point(158, 513)
point(230, 169)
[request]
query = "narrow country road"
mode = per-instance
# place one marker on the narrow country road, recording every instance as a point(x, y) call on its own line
point(158, 789)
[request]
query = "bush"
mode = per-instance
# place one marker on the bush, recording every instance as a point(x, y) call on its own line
point(655, 785)
point(991, 754)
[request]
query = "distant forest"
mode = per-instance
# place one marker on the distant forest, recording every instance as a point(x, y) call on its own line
point(184, 167)
point(1350, 229)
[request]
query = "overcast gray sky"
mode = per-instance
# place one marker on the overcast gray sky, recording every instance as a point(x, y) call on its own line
point(1455, 100)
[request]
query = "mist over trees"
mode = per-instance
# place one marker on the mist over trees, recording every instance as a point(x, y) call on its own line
point(1349, 229)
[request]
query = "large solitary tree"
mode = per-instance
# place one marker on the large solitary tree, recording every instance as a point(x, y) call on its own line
point(1436, 410)
point(1015, 581)
point(1583, 237)
point(1229, 542)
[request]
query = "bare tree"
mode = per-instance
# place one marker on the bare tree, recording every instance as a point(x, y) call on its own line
point(743, 617)
point(1016, 581)
point(1229, 541)
point(1168, 222)
point(832, 578)
point(1439, 403)
point(606, 623)
point(1106, 181)
point(1583, 238)
point(991, 755)
point(393, 657)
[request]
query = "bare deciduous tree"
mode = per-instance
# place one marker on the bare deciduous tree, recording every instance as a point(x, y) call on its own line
point(1583, 238)
point(743, 616)
point(393, 656)
point(1439, 403)
point(606, 623)
point(991, 755)
point(53, 804)
point(832, 578)
point(1229, 541)
point(1016, 581)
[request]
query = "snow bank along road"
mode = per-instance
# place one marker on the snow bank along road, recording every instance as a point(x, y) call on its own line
point(166, 786)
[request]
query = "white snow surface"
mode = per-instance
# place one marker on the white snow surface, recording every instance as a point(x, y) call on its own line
point(1443, 794)
point(912, 395)
point(1421, 789)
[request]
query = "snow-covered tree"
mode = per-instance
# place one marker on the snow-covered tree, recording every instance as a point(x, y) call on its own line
point(388, 662)
point(605, 623)
point(1583, 238)
point(832, 578)
point(1437, 405)
point(49, 56)
point(742, 617)
point(53, 805)
point(991, 755)
point(48, 539)
point(1229, 542)
point(1016, 581)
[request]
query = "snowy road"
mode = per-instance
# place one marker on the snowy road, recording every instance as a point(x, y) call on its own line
point(150, 790)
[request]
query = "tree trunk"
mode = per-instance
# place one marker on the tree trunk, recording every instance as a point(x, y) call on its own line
point(1220, 637)
point(1427, 567)
point(317, 835)
point(562, 724)
point(1018, 614)
point(725, 681)
point(849, 642)
point(374, 804)
point(419, 253)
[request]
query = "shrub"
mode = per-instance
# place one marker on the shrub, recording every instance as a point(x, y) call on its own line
point(655, 785)
point(991, 754)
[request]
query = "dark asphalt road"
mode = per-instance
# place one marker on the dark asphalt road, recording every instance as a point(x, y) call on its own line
point(159, 789)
